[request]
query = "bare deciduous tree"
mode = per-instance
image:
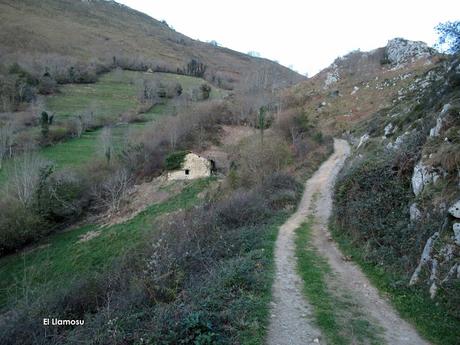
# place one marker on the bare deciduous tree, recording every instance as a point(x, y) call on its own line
point(113, 191)
point(24, 176)
point(6, 142)
point(106, 143)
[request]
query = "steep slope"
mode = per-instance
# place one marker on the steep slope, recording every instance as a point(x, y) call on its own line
point(33, 31)
point(396, 202)
point(357, 85)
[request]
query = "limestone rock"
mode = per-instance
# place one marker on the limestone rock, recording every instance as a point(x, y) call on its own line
point(365, 138)
point(455, 209)
point(422, 176)
point(425, 258)
point(436, 130)
point(456, 229)
point(399, 51)
point(398, 142)
point(415, 213)
point(388, 128)
point(332, 77)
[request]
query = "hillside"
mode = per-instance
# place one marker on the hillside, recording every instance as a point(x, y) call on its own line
point(359, 84)
point(96, 30)
point(155, 189)
point(395, 199)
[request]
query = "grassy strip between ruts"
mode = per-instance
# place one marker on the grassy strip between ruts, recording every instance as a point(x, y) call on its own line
point(412, 303)
point(340, 319)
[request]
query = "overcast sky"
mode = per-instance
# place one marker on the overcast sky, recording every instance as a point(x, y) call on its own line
point(304, 35)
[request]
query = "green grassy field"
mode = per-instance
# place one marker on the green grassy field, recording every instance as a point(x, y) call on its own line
point(60, 258)
point(113, 94)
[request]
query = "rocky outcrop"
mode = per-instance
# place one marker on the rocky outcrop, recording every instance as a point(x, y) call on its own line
point(364, 139)
point(422, 176)
point(425, 259)
point(398, 142)
point(400, 51)
point(456, 228)
point(436, 130)
point(332, 76)
point(389, 129)
point(414, 212)
point(455, 209)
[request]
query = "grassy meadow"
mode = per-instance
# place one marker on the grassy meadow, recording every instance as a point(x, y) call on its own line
point(112, 95)
point(61, 257)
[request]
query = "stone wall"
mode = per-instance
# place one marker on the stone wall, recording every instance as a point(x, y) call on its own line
point(194, 167)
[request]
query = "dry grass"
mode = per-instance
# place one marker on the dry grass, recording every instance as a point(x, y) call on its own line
point(103, 29)
point(343, 111)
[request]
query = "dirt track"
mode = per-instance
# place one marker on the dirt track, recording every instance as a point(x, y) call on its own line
point(291, 320)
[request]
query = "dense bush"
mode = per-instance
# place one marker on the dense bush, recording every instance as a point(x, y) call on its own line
point(195, 68)
point(18, 226)
point(205, 91)
point(254, 160)
point(372, 204)
point(16, 87)
point(175, 160)
point(47, 85)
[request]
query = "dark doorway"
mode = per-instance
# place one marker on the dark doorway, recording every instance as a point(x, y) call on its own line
point(213, 166)
point(187, 172)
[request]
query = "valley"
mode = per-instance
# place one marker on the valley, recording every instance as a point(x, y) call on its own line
point(157, 189)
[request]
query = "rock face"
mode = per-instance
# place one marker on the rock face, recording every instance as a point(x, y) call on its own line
point(399, 51)
point(422, 176)
point(436, 130)
point(455, 209)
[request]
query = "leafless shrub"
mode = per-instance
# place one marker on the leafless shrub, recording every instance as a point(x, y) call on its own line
point(254, 161)
point(6, 142)
point(75, 126)
point(287, 123)
point(7, 92)
point(111, 193)
point(24, 176)
point(106, 144)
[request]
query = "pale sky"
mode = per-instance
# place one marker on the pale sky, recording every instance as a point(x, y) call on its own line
point(304, 35)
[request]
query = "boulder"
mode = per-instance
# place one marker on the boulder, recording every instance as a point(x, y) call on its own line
point(398, 142)
point(456, 229)
point(415, 213)
point(422, 176)
point(388, 129)
point(436, 130)
point(364, 139)
point(455, 209)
